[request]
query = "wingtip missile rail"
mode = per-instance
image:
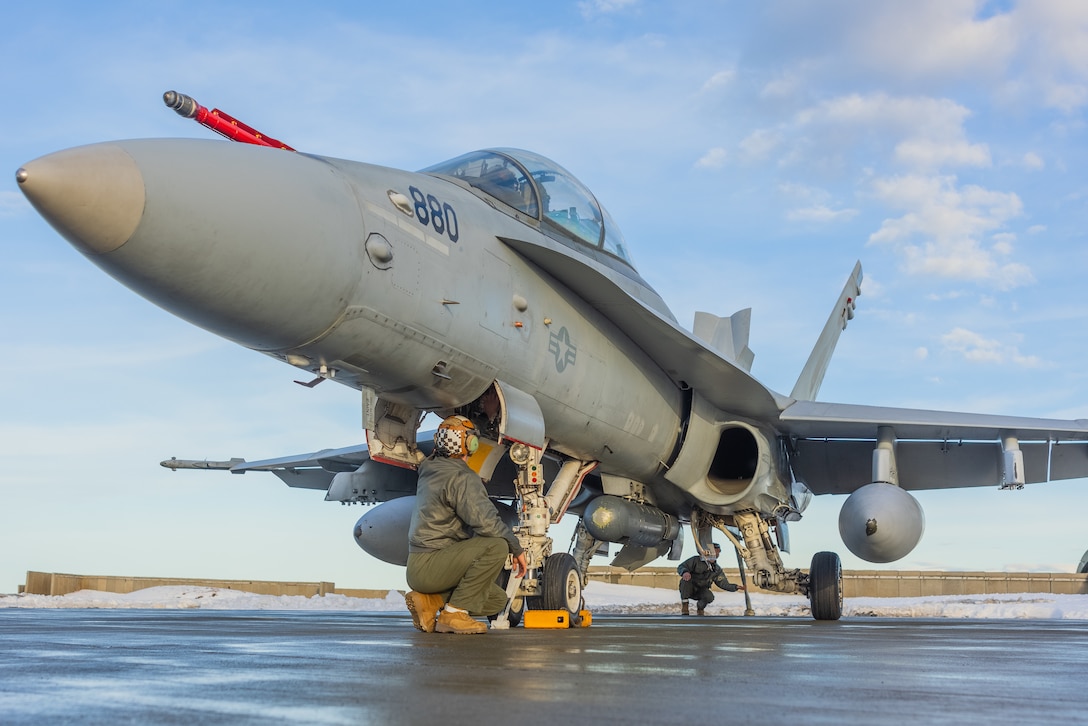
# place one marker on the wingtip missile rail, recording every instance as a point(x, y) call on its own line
point(174, 463)
point(222, 123)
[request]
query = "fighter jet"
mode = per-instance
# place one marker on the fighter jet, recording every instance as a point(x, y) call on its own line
point(496, 286)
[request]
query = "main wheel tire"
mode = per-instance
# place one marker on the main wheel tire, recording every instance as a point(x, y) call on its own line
point(825, 586)
point(562, 587)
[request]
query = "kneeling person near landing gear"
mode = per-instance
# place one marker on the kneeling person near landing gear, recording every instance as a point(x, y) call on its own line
point(696, 575)
point(457, 542)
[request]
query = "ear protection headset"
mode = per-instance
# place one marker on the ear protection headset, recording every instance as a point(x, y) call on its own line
point(456, 436)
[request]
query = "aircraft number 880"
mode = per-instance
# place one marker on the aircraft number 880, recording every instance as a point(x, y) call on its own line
point(436, 214)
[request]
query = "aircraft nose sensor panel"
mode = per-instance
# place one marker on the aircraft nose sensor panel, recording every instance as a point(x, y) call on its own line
point(93, 195)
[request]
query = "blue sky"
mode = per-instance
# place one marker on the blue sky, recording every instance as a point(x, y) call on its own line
point(750, 153)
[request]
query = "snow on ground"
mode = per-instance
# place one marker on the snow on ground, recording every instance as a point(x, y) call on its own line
point(601, 599)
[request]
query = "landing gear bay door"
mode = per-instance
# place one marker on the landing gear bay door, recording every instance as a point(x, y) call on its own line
point(505, 417)
point(521, 420)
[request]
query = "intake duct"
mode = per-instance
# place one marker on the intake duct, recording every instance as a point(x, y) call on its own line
point(735, 460)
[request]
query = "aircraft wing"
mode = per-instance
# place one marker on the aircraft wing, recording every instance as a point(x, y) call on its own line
point(935, 449)
point(680, 354)
point(314, 470)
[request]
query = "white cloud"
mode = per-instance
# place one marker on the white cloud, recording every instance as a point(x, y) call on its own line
point(1052, 43)
point(1033, 161)
point(932, 117)
point(941, 234)
point(872, 288)
point(713, 159)
point(923, 133)
point(817, 204)
point(972, 346)
point(759, 144)
point(1033, 53)
point(931, 39)
point(978, 349)
point(929, 154)
point(784, 86)
point(901, 108)
point(720, 79)
point(1066, 96)
point(804, 191)
point(1003, 243)
point(820, 213)
point(947, 295)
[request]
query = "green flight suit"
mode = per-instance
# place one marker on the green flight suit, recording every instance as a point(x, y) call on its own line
point(457, 542)
point(703, 574)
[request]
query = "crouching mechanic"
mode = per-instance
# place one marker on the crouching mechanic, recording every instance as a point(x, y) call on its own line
point(696, 575)
point(457, 542)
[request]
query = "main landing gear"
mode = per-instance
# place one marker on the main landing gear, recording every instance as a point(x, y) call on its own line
point(822, 584)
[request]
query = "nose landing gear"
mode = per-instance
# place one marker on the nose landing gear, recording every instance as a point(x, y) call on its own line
point(554, 582)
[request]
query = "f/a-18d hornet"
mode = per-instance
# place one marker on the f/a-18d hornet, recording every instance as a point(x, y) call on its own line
point(494, 285)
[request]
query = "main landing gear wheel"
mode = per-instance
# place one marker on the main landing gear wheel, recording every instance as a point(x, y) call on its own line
point(825, 586)
point(562, 588)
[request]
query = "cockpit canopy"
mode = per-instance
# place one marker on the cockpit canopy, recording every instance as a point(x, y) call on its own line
point(541, 189)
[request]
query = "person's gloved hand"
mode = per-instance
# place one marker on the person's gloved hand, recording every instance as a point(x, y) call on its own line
point(686, 576)
point(521, 567)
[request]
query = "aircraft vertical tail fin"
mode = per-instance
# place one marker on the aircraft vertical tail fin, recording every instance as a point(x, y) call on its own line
point(728, 336)
point(812, 375)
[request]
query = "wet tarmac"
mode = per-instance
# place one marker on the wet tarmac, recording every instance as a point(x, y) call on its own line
point(268, 667)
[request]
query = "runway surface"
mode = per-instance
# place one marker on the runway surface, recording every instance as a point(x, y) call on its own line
point(150, 666)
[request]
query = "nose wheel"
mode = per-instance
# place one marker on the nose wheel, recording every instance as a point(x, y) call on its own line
point(562, 587)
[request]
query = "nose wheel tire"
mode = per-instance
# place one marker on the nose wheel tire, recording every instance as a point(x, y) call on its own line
point(825, 586)
point(562, 588)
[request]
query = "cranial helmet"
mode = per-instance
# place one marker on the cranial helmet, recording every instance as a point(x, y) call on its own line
point(456, 436)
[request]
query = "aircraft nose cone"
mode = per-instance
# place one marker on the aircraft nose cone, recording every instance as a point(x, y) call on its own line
point(92, 195)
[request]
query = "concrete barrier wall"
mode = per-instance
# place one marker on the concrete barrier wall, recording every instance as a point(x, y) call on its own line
point(53, 583)
point(887, 583)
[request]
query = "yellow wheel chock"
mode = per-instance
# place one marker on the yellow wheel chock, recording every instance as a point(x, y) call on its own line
point(554, 619)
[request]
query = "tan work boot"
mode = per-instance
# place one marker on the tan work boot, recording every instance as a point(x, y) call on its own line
point(684, 608)
point(424, 609)
point(459, 623)
point(700, 611)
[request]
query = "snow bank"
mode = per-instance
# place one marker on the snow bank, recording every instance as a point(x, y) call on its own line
point(176, 597)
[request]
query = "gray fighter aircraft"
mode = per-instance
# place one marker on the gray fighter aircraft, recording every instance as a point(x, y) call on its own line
point(495, 285)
